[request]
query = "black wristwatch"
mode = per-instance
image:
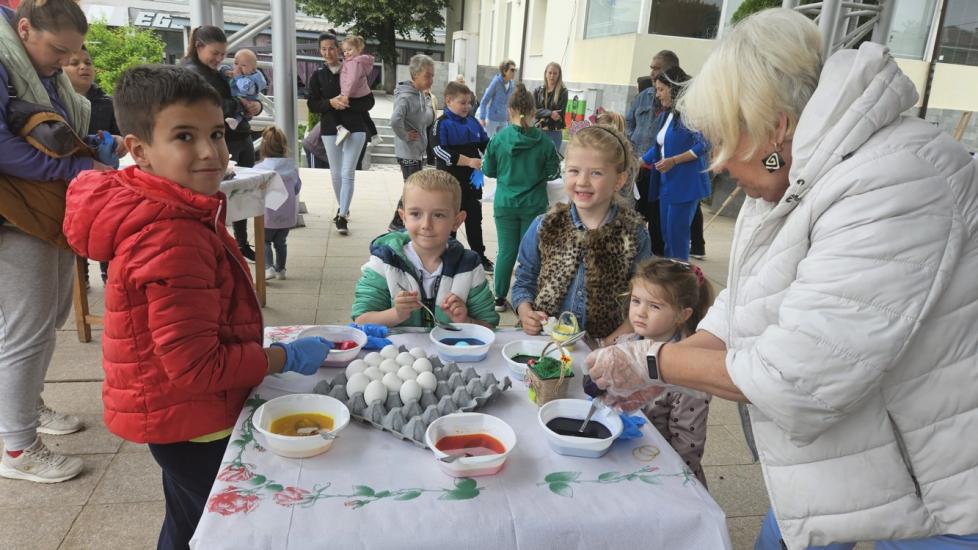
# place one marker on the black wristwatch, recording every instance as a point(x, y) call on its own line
point(652, 362)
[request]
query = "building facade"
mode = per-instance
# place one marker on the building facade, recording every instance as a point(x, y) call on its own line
point(603, 46)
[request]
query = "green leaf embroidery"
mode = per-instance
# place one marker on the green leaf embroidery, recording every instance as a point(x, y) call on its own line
point(562, 489)
point(410, 495)
point(651, 479)
point(274, 487)
point(562, 477)
point(460, 494)
point(465, 484)
point(258, 480)
point(363, 491)
point(382, 494)
point(608, 476)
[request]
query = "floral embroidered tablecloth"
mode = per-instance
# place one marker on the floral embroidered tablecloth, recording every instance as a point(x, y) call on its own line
point(374, 491)
point(251, 191)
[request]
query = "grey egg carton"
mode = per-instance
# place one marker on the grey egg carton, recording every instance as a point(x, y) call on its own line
point(458, 390)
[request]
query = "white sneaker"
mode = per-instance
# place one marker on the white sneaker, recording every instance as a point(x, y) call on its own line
point(269, 273)
point(54, 423)
point(37, 463)
point(280, 275)
point(341, 134)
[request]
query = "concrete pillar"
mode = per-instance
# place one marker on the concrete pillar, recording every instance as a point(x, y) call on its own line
point(200, 13)
point(284, 67)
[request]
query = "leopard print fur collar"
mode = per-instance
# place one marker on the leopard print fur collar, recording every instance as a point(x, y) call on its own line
point(608, 253)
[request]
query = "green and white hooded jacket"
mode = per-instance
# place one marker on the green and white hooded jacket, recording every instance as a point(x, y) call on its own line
point(389, 267)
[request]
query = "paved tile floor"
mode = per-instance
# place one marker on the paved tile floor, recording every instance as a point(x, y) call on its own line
point(117, 502)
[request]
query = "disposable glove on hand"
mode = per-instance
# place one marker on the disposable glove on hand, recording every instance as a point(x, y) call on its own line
point(305, 355)
point(376, 335)
point(631, 426)
point(634, 401)
point(621, 369)
point(477, 179)
point(105, 150)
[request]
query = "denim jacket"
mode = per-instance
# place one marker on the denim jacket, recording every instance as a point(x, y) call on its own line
point(528, 268)
point(640, 120)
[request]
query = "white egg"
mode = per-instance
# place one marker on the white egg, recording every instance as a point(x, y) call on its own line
point(373, 373)
point(422, 364)
point(427, 381)
point(418, 352)
point(389, 351)
point(373, 358)
point(406, 373)
point(355, 366)
point(357, 383)
point(389, 365)
point(376, 391)
point(410, 391)
point(405, 358)
point(392, 382)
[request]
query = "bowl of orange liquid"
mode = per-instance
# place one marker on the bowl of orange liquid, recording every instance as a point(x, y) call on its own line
point(288, 426)
point(481, 441)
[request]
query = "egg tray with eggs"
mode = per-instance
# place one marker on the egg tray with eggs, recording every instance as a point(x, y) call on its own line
point(402, 392)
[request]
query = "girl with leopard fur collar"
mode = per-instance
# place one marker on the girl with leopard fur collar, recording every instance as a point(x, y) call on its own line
point(579, 257)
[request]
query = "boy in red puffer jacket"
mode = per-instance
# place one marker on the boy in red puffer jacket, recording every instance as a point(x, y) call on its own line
point(182, 346)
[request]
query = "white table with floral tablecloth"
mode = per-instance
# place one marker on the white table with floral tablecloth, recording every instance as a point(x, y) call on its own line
point(375, 491)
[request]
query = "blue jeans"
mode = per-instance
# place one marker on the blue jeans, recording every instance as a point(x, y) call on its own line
point(493, 126)
point(276, 238)
point(770, 539)
point(676, 219)
point(556, 136)
point(342, 166)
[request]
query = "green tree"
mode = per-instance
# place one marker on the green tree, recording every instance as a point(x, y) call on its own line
point(383, 21)
point(113, 50)
point(754, 6)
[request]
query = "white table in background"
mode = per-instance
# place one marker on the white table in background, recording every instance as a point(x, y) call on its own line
point(375, 491)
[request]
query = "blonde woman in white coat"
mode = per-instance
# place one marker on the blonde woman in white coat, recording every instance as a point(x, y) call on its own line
point(848, 322)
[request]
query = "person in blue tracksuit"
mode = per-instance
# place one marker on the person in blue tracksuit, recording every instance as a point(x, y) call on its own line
point(493, 113)
point(679, 157)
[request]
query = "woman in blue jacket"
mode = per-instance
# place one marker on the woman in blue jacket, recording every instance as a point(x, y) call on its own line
point(493, 113)
point(678, 155)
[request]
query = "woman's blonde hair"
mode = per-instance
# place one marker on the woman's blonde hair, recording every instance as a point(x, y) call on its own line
point(274, 144)
point(769, 63)
point(559, 87)
point(611, 143)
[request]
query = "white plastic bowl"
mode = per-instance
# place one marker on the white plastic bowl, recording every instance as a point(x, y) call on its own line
point(578, 446)
point(336, 333)
point(302, 446)
point(470, 423)
point(465, 354)
point(525, 347)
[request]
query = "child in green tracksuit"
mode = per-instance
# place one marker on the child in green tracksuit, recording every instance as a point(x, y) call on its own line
point(522, 159)
point(424, 264)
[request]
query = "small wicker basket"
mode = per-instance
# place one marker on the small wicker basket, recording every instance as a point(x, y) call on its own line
point(542, 390)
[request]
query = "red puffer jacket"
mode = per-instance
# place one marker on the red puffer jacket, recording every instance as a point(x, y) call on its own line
point(182, 345)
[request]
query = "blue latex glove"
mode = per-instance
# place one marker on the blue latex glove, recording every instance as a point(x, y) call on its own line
point(477, 179)
point(305, 355)
point(631, 426)
point(105, 150)
point(376, 335)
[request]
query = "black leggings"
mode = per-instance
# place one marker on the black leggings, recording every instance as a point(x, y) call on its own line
point(650, 211)
point(242, 152)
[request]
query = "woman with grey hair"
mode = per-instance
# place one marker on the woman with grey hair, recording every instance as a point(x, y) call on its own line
point(847, 325)
point(413, 114)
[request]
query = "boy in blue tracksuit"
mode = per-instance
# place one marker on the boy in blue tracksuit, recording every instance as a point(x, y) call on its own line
point(461, 141)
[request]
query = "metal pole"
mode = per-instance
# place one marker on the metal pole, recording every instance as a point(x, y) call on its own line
point(249, 32)
point(200, 14)
point(882, 31)
point(217, 13)
point(828, 24)
point(283, 60)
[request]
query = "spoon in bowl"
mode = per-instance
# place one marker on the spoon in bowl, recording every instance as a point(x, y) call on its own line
point(325, 434)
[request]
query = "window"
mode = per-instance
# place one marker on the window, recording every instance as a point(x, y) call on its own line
point(611, 17)
point(539, 25)
point(959, 37)
point(689, 18)
point(910, 28)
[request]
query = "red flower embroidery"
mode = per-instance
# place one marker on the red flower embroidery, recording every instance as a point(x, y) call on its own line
point(231, 501)
point(290, 496)
point(234, 473)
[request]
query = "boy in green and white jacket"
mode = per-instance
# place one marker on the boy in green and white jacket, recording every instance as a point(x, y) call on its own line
point(424, 264)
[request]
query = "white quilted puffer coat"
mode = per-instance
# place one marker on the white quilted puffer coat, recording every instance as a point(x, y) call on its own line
point(851, 318)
